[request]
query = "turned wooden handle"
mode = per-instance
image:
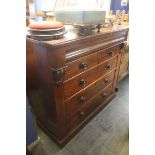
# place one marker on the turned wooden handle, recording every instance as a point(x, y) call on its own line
point(111, 53)
point(83, 66)
point(104, 95)
point(82, 99)
point(82, 113)
point(108, 66)
point(83, 81)
point(106, 80)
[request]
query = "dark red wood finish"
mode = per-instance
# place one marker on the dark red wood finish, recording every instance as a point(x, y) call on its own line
point(71, 79)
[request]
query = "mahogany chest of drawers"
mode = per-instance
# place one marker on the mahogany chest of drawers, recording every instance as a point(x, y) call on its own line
point(71, 79)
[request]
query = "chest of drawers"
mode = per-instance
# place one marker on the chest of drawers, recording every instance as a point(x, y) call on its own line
point(71, 79)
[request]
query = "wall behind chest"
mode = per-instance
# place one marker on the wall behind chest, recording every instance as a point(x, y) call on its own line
point(116, 5)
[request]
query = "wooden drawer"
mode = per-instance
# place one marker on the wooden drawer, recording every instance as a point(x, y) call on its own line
point(76, 102)
point(105, 81)
point(76, 67)
point(107, 53)
point(80, 82)
point(107, 66)
point(90, 107)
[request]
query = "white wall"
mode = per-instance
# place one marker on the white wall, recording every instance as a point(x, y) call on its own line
point(106, 5)
point(48, 5)
point(45, 5)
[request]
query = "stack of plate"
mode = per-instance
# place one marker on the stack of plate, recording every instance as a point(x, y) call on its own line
point(46, 34)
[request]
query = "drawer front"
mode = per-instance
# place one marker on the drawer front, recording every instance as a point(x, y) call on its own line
point(80, 82)
point(84, 112)
point(100, 84)
point(76, 102)
point(107, 66)
point(107, 53)
point(76, 67)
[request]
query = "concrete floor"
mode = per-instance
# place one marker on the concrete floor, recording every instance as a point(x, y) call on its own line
point(106, 134)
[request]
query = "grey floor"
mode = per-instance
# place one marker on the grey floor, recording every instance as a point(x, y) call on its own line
point(106, 134)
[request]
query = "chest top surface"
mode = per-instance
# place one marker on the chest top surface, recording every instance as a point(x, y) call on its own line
point(72, 36)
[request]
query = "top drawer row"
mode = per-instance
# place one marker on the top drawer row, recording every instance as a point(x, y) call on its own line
point(80, 65)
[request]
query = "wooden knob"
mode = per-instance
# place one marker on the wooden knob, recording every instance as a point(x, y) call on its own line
point(110, 53)
point(106, 81)
point(83, 82)
point(82, 99)
point(83, 66)
point(108, 67)
point(104, 95)
point(82, 113)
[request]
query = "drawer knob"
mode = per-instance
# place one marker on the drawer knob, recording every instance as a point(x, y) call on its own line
point(108, 67)
point(82, 113)
point(104, 95)
point(111, 53)
point(82, 99)
point(106, 81)
point(83, 66)
point(83, 82)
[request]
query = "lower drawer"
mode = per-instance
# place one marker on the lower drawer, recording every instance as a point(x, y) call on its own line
point(90, 107)
point(79, 100)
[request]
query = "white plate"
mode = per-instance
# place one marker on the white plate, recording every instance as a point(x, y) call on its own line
point(29, 29)
point(42, 35)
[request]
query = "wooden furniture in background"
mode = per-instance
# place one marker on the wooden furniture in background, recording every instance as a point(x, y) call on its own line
point(27, 12)
point(71, 79)
point(124, 63)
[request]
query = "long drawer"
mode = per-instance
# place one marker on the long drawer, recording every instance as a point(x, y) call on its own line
point(78, 83)
point(83, 97)
point(91, 106)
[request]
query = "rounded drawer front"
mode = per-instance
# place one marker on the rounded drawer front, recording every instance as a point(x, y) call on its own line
point(80, 115)
point(76, 67)
point(78, 83)
point(108, 53)
point(107, 66)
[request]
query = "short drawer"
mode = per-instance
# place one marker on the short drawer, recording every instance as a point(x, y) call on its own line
point(80, 82)
point(107, 53)
point(79, 100)
point(84, 112)
point(106, 80)
point(107, 66)
point(76, 67)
